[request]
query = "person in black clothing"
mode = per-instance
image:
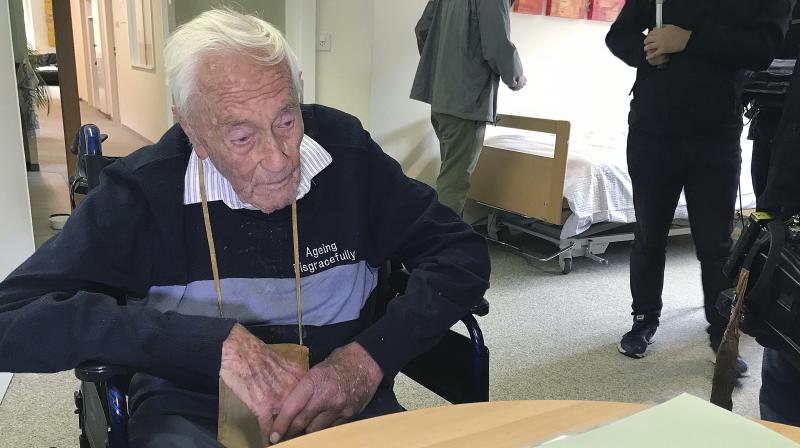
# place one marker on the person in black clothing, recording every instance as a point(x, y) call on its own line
point(767, 117)
point(685, 129)
point(782, 192)
point(779, 399)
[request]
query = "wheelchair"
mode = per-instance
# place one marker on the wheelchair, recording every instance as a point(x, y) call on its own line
point(456, 369)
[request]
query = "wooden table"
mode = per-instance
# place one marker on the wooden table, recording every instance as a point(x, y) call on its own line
point(497, 424)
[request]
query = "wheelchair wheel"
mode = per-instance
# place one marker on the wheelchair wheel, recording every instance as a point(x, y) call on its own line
point(91, 417)
point(83, 441)
point(565, 265)
point(504, 234)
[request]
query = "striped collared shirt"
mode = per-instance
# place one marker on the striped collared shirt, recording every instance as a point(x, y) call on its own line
point(313, 159)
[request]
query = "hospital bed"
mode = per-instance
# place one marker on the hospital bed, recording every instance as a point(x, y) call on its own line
point(570, 188)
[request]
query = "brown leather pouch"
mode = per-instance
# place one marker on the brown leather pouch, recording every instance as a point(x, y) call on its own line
point(237, 426)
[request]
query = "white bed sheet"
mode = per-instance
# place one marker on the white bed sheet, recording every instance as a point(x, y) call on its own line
point(597, 186)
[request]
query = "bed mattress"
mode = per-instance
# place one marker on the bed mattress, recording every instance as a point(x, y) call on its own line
point(597, 187)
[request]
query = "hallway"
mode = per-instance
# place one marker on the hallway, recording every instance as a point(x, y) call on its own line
point(48, 187)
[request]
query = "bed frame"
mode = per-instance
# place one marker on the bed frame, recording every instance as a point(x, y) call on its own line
point(525, 193)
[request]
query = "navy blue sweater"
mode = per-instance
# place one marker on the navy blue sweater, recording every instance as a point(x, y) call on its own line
point(133, 237)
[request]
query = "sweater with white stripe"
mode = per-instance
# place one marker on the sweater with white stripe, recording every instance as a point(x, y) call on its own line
point(313, 159)
point(134, 237)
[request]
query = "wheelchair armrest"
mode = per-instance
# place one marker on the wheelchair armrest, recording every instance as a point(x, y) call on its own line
point(397, 280)
point(98, 373)
point(481, 309)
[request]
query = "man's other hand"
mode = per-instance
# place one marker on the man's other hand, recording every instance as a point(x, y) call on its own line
point(521, 82)
point(260, 378)
point(330, 394)
point(668, 39)
point(658, 61)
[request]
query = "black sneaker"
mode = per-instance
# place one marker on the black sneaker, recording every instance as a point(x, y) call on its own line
point(741, 368)
point(634, 343)
point(742, 371)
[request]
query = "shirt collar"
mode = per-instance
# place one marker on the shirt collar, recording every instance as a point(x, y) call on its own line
point(313, 159)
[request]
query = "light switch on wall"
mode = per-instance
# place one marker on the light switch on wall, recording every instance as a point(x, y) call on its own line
point(324, 42)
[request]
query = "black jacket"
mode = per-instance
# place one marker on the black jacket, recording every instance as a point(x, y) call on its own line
point(791, 46)
point(698, 90)
point(133, 236)
point(782, 193)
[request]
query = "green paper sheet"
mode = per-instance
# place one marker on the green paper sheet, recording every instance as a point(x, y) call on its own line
point(685, 421)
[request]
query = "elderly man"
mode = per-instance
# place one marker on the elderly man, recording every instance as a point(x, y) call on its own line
point(142, 234)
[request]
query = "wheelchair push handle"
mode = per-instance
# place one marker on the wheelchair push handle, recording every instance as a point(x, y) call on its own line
point(91, 134)
point(88, 141)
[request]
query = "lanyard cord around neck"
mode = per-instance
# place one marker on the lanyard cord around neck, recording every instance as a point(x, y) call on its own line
point(213, 252)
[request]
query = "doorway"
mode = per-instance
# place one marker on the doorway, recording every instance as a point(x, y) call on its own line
point(101, 51)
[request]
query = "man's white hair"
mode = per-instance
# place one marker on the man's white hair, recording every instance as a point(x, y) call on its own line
point(222, 31)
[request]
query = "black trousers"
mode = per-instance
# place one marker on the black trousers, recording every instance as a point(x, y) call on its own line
point(780, 389)
point(707, 168)
point(164, 415)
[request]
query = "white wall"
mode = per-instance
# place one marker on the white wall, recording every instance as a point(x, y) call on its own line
point(105, 24)
point(40, 27)
point(19, 39)
point(16, 232)
point(571, 74)
point(400, 125)
point(301, 26)
point(344, 74)
point(30, 36)
point(273, 11)
point(142, 92)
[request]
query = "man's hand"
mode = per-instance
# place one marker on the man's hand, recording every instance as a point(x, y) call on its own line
point(331, 393)
point(521, 82)
point(260, 378)
point(658, 61)
point(666, 40)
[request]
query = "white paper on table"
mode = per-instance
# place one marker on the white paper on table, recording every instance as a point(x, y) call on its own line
point(5, 380)
point(685, 421)
point(554, 440)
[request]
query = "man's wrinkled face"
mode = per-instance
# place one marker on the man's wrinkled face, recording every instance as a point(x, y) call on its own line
point(246, 118)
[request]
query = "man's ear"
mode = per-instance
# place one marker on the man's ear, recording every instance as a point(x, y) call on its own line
point(201, 151)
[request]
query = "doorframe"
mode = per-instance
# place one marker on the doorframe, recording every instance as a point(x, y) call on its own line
point(67, 77)
point(91, 42)
point(301, 32)
point(88, 51)
point(106, 23)
point(110, 55)
point(168, 25)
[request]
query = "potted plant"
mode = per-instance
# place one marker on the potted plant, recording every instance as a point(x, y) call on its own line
point(40, 92)
point(33, 94)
